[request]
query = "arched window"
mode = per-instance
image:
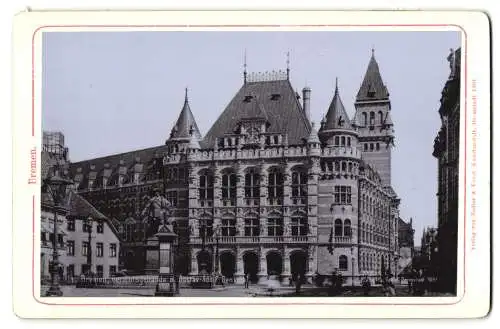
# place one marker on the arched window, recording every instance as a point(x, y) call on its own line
point(350, 166)
point(343, 262)
point(362, 232)
point(337, 166)
point(206, 190)
point(381, 117)
point(344, 166)
point(299, 187)
point(228, 227)
point(365, 119)
point(342, 140)
point(348, 141)
point(372, 118)
point(371, 146)
point(347, 227)
point(338, 227)
point(366, 146)
point(330, 166)
point(377, 146)
point(252, 189)
point(275, 225)
point(299, 225)
point(252, 226)
point(275, 185)
point(229, 186)
point(337, 143)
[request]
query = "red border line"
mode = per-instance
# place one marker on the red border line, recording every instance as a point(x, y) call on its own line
point(269, 25)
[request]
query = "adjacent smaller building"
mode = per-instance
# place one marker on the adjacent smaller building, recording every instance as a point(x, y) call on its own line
point(406, 236)
point(86, 239)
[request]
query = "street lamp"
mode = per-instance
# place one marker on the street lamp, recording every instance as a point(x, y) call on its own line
point(352, 265)
point(217, 235)
point(88, 223)
point(56, 186)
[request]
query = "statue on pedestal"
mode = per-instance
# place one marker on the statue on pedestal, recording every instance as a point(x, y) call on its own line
point(157, 211)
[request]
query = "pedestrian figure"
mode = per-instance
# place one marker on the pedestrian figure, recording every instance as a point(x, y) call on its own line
point(366, 286)
point(246, 280)
point(297, 284)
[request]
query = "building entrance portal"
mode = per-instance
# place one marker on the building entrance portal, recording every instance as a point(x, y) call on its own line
point(274, 263)
point(227, 264)
point(204, 262)
point(298, 264)
point(251, 266)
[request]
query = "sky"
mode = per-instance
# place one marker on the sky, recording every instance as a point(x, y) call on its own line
point(114, 92)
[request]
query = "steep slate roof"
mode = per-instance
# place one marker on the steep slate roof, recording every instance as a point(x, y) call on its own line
point(284, 113)
point(185, 122)
point(336, 117)
point(145, 155)
point(373, 87)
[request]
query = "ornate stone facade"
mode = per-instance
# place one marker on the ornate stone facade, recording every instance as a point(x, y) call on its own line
point(264, 192)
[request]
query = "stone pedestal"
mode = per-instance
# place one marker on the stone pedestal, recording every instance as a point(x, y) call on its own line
point(168, 281)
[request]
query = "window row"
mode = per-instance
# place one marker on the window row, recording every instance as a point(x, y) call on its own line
point(70, 270)
point(342, 141)
point(85, 248)
point(371, 147)
point(371, 118)
point(275, 185)
point(85, 227)
point(369, 262)
point(252, 227)
point(339, 166)
point(343, 228)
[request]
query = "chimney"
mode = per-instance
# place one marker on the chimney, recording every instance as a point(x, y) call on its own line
point(306, 97)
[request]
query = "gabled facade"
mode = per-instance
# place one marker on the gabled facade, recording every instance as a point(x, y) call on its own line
point(264, 191)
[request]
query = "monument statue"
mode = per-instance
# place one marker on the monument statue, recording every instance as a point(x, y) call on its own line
point(157, 211)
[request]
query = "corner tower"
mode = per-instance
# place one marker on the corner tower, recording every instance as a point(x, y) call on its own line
point(374, 123)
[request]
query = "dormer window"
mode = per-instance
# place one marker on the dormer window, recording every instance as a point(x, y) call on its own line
point(275, 97)
point(248, 98)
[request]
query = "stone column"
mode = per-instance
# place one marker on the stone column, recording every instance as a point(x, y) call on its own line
point(239, 266)
point(194, 262)
point(263, 264)
point(286, 262)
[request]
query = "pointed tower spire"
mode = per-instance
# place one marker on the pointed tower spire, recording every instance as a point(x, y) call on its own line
point(288, 65)
point(185, 126)
point(245, 67)
point(373, 87)
point(336, 117)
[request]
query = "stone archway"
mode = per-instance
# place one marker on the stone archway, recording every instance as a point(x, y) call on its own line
point(227, 264)
point(274, 263)
point(204, 259)
point(251, 265)
point(298, 264)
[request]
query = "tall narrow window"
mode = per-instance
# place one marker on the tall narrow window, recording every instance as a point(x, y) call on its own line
point(299, 187)
point(206, 227)
point(172, 198)
point(365, 119)
point(347, 227)
point(372, 118)
point(348, 141)
point(381, 117)
point(337, 142)
point(275, 185)
point(338, 227)
point(229, 186)
point(99, 249)
point(252, 184)
point(343, 262)
point(342, 140)
point(206, 189)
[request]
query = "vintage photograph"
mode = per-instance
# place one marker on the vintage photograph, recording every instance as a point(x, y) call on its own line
point(250, 163)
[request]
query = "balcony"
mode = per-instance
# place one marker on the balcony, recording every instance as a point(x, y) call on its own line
point(293, 239)
point(342, 239)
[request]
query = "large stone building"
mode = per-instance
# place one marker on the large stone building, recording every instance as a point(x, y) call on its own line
point(446, 150)
point(264, 191)
point(406, 237)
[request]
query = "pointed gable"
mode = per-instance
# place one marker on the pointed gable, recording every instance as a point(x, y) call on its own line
point(336, 117)
point(186, 124)
point(275, 101)
point(373, 87)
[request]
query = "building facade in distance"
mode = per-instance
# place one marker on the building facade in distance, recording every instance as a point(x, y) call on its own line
point(264, 191)
point(446, 151)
